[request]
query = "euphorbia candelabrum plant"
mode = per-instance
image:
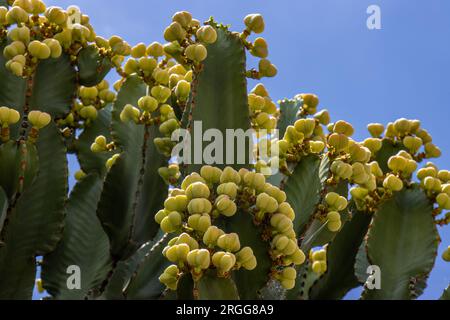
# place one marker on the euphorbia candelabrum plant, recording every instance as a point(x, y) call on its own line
point(139, 226)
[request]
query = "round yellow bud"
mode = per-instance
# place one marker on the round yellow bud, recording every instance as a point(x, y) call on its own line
point(39, 119)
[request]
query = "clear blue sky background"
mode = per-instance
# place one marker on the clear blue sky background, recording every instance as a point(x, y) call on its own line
point(324, 47)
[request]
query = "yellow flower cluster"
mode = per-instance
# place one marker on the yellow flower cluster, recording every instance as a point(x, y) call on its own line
point(204, 197)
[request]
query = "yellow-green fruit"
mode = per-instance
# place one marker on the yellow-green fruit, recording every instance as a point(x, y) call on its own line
point(230, 175)
point(21, 34)
point(287, 278)
point(196, 52)
point(267, 69)
point(190, 179)
point(211, 174)
point(174, 32)
point(138, 51)
point(446, 254)
point(130, 113)
point(199, 222)
point(316, 146)
point(375, 129)
point(319, 267)
point(161, 76)
point(187, 239)
point(359, 193)
point(333, 216)
point(131, 66)
point(56, 15)
point(260, 48)
point(155, 49)
point(254, 180)
point(225, 206)
point(177, 203)
point(323, 117)
point(55, 47)
point(169, 126)
point(342, 170)
point(160, 215)
point(305, 126)
point(184, 18)
point(254, 23)
point(424, 135)
point(444, 175)
point(90, 93)
point(14, 49)
point(275, 192)
point(39, 119)
point(373, 144)
point(375, 169)
point(229, 242)
point(15, 67)
point(393, 183)
point(230, 189)
point(197, 190)
point(443, 200)
point(211, 236)
point(170, 277)
point(111, 161)
point(39, 50)
point(338, 141)
point(177, 253)
point(160, 93)
point(171, 223)
point(293, 136)
point(432, 151)
point(297, 258)
point(284, 245)
point(16, 15)
point(343, 127)
point(360, 175)
point(334, 226)
point(260, 90)
point(402, 126)
point(255, 102)
point(182, 90)
point(37, 7)
point(224, 261)
point(246, 258)
point(207, 34)
point(432, 184)
point(79, 175)
point(99, 144)
point(427, 172)
point(281, 223)
point(199, 206)
point(286, 209)
point(359, 153)
point(199, 258)
point(412, 143)
point(148, 103)
point(396, 163)
point(266, 203)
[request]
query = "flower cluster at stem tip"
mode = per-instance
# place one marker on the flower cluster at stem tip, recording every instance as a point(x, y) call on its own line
point(212, 196)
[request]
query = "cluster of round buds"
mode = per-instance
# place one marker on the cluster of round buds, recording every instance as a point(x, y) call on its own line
point(309, 104)
point(90, 101)
point(318, 260)
point(40, 33)
point(100, 144)
point(202, 198)
point(436, 183)
point(8, 117)
point(334, 204)
point(304, 137)
point(410, 134)
point(170, 174)
point(38, 120)
point(254, 23)
point(446, 254)
point(263, 111)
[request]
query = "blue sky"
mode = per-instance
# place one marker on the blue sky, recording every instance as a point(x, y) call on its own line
point(324, 47)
